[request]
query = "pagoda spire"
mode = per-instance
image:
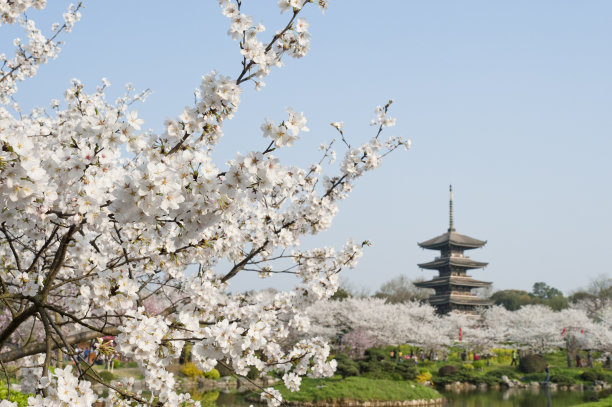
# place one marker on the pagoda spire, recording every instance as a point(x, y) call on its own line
point(451, 227)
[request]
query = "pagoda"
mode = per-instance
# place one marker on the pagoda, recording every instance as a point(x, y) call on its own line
point(453, 286)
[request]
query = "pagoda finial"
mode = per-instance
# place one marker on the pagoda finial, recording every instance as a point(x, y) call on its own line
point(451, 227)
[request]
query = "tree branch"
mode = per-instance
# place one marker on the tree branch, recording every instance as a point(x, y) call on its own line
point(40, 347)
point(243, 262)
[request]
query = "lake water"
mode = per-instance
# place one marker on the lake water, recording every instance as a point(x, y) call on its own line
point(516, 398)
point(220, 399)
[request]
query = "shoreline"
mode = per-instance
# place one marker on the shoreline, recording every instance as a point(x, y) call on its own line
point(370, 403)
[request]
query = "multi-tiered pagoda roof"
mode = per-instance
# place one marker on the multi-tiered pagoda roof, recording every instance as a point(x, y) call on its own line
point(453, 287)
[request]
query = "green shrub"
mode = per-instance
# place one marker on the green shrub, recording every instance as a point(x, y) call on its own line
point(387, 365)
point(511, 374)
point(488, 380)
point(389, 370)
point(443, 380)
point(190, 370)
point(447, 370)
point(366, 366)
point(20, 398)
point(117, 364)
point(463, 376)
point(605, 376)
point(596, 374)
point(458, 376)
point(534, 377)
point(467, 376)
point(562, 380)
point(212, 374)
point(375, 367)
point(348, 370)
point(479, 364)
point(253, 373)
point(423, 376)
point(346, 366)
point(504, 356)
point(375, 354)
point(466, 368)
point(406, 370)
point(107, 376)
point(375, 371)
point(132, 365)
point(532, 364)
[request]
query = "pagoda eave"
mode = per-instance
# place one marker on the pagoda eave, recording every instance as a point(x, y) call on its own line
point(452, 238)
point(449, 261)
point(453, 281)
point(459, 300)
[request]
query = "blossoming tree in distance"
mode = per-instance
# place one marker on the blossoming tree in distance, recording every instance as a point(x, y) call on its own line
point(99, 221)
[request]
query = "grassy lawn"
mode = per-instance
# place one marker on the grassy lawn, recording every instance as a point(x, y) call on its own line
point(358, 388)
point(607, 402)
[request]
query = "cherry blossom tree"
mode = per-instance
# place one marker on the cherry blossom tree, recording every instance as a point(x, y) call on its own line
point(578, 331)
point(540, 328)
point(99, 217)
point(411, 323)
point(603, 330)
point(356, 342)
point(484, 332)
point(535, 327)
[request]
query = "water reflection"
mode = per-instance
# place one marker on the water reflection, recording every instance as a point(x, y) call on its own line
point(216, 398)
point(531, 397)
point(206, 398)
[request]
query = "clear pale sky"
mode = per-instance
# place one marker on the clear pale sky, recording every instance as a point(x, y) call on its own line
point(508, 101)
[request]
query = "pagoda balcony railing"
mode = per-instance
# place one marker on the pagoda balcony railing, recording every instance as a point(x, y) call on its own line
point(455, 293)
point(456, 256)
point(463, 294)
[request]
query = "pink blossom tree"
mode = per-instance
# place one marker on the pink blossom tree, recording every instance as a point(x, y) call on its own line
point(357, 341)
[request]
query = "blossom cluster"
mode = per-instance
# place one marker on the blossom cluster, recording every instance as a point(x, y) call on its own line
point(68, 391)
point(38, 49)
point(259, 57)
